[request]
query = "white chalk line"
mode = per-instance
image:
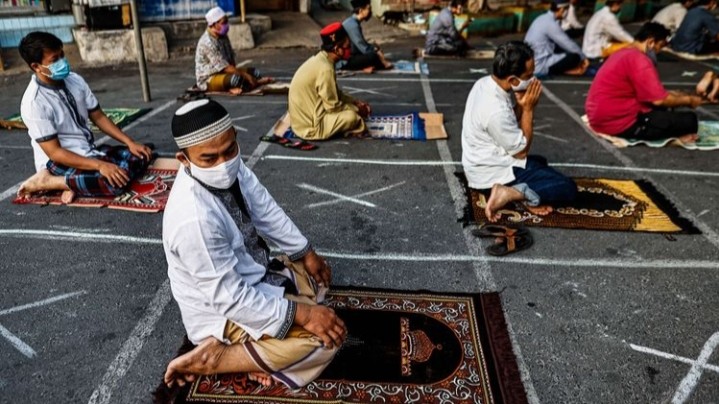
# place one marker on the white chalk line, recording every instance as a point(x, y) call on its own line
point(406, 257)
point(78, 236)
point(16, 342)
point(544, 135)
point(707, 232)
point(691, 380)
point(480, 266)
point(42, 302)
point(12, 191)
point(376, 191)
point(341, 197)
point(473, 80)
point(430, 163)
point(667, 355)
point(133, 345)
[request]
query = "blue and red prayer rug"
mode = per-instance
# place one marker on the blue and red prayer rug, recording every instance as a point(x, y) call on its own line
point(601, 204)
point(402, 347)
point(411, 126)
point(147, 194)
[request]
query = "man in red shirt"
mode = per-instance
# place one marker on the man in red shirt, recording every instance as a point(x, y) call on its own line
point(627, 99)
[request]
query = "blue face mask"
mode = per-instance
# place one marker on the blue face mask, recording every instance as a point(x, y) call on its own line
point(58, 70)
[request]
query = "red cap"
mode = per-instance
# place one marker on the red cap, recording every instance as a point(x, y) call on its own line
point(331, 29)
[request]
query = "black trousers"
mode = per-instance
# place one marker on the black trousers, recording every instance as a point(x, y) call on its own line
point(569, 62)
point(360, 61)
point(662, 124)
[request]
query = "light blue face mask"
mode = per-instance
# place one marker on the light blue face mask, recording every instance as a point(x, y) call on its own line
point(58, 70)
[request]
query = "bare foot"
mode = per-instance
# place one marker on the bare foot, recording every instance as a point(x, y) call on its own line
point(541, 210)
point(235, 91)
point(579, 70)
point(41, 181)
point(500, 196)
point(704, 83)
point(67, 197)
point(713, 90)
point(689, 138)
point(261, 378)
point(388, 66)
point(202, 360)
point(369, 69)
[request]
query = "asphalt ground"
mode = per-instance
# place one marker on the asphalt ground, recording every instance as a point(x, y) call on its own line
point(596, 317)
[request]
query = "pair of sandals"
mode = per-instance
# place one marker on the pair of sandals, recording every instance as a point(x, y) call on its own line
point(508, 240)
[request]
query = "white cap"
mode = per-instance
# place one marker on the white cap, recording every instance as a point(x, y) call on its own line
point(214, 15)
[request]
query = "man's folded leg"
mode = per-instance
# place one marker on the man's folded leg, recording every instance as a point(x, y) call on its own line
point(347, 122)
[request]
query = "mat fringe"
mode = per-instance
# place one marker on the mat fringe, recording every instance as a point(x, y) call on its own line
point(663, 203)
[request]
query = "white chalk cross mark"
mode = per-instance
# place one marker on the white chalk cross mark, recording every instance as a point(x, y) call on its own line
point(373, 91)
point(241, 118)
point(338, 198)
point(16, 342)
point(691, 380)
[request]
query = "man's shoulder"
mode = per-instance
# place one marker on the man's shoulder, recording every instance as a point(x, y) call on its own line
point(187, 204)
point(350, 22)
point(31, 91)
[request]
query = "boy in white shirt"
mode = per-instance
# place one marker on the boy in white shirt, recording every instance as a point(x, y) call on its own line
point(604, 34)
point(55, 108)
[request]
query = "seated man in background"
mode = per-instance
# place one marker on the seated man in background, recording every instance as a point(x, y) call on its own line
point(56, 108)
point(547, 40)
point(570, 23)
point(215, 67)
point(604, 34)
point(699, 31)
point(248, 313)
point(364, 56)
point(443, 38)
point(495, 147)
point(318, 109)
point(671, 16)
point(627, 99)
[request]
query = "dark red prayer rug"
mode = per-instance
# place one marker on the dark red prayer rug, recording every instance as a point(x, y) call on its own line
point(402, 347)
point(146, 194)
point(601, 204)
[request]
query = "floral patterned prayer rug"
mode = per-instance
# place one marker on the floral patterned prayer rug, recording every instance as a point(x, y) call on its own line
point(402, 347)
point(601, 204)
point(146, 194)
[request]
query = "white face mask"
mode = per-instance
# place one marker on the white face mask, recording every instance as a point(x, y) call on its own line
point(221, 176)
point(523, 84)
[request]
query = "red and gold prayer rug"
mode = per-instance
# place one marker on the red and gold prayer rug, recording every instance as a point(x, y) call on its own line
point(147, 194)
point(601, 204)
point(402, 347)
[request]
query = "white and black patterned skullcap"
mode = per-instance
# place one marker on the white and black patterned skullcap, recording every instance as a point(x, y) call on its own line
point(199, 121)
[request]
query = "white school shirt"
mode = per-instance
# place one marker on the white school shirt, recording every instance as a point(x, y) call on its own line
point(671, 16)
point(49, 114)
point(490, 135)
point(212, 275)
point(603, 27)
point(571, 20)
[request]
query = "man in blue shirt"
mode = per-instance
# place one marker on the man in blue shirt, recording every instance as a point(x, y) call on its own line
point(699, 31)
point(548, 40)
point(443, 37)
point(364, 56)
